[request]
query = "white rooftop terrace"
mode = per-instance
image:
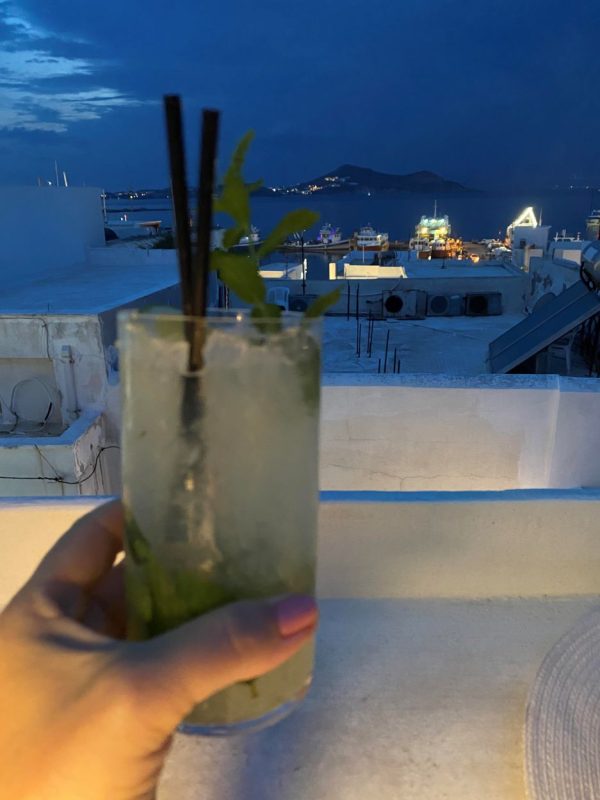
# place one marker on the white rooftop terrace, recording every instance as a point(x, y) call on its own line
point(444, 345)
point(111, 278)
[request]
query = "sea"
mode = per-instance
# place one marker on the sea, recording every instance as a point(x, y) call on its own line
point(473, 216)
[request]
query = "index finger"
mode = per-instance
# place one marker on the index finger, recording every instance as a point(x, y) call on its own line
point(87, 551)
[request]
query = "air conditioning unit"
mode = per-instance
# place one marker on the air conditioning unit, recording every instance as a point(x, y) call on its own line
point(404, 305)
point(445, 305)
point(300, 302)
point(486, 304)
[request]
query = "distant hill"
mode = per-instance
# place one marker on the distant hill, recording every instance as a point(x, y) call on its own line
point(349, 178)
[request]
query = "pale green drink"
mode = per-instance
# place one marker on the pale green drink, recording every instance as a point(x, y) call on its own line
point(221, 504)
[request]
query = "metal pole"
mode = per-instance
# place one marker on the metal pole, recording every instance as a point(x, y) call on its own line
point(387, 342)
point(357, 295)
point(303, 266)
point(348, 305)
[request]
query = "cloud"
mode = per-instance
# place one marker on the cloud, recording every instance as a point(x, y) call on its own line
point(31, 111)
point(35, 65)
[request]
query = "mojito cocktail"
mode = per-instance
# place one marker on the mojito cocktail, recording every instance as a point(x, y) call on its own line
point(221, 496)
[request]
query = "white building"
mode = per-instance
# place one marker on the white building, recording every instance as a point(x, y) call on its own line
point(62, 288)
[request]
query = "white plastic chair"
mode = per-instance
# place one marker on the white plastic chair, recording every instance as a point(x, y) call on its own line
point(279, 296)
point(561, 348)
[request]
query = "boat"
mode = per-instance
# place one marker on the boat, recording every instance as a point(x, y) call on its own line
point(329, 235)
point(252, 238)
point(368, 238)
point(124, 228)
point(329, 238)
point(432, 238)
point(593, 225)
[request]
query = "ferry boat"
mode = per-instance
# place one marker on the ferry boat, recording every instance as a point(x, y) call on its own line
point(593, 225)
point(432, 238)
point(368, 238)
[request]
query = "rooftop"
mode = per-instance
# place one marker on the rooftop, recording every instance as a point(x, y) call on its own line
point(90, 288)
point(434, 345)
point(436, 268)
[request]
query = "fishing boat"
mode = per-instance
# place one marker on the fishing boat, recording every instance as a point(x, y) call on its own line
point(329, 235)
point(368, 238)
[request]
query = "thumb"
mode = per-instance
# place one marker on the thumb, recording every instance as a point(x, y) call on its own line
point(234, 643)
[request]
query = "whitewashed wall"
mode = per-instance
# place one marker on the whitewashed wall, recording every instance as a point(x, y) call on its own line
point(31, 346)
point(42, 337)
point(45, 229)
point(388, 545)
point(71, 456)
point(412, 433)
point(512, 287)
point(549, 275)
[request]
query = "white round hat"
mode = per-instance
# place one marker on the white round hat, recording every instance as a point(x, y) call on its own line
point(562, 731)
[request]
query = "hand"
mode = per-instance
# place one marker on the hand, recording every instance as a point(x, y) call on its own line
point(89, 716)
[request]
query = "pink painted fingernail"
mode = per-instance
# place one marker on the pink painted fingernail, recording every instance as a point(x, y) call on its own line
point(295, 613)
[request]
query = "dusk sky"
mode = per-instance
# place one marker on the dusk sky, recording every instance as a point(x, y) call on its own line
point(492, 93)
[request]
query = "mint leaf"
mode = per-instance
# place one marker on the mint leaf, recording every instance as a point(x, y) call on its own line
point(240, 273)
point(321, 304)
point(292, 223)
point(253, 187)
point(235, 197)
point(137, 544)
point(267, 318)
point(232, 237)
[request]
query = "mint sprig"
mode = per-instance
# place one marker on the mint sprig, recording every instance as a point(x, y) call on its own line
point(240, 273)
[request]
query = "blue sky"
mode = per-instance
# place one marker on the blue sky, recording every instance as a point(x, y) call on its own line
point(488, 92)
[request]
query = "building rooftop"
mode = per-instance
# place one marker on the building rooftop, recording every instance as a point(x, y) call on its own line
point(89, 288)
point(436, 268)
point(456, 345)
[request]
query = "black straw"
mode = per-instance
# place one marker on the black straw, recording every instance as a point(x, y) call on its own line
point(201, 254)
point(172, 105)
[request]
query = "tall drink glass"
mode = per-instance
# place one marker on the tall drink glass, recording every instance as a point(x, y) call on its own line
point(220, 484)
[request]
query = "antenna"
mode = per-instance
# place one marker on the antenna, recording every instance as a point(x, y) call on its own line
point(435, 209)
point(541, 212)
point(66, 182)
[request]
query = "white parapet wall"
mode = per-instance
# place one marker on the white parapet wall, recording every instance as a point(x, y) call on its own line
point(474, 545)
point(81, 461)
point(459, 544)
point(436, 432)
point(45, 229)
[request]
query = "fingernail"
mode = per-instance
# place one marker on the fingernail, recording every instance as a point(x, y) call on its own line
point(295, 613)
